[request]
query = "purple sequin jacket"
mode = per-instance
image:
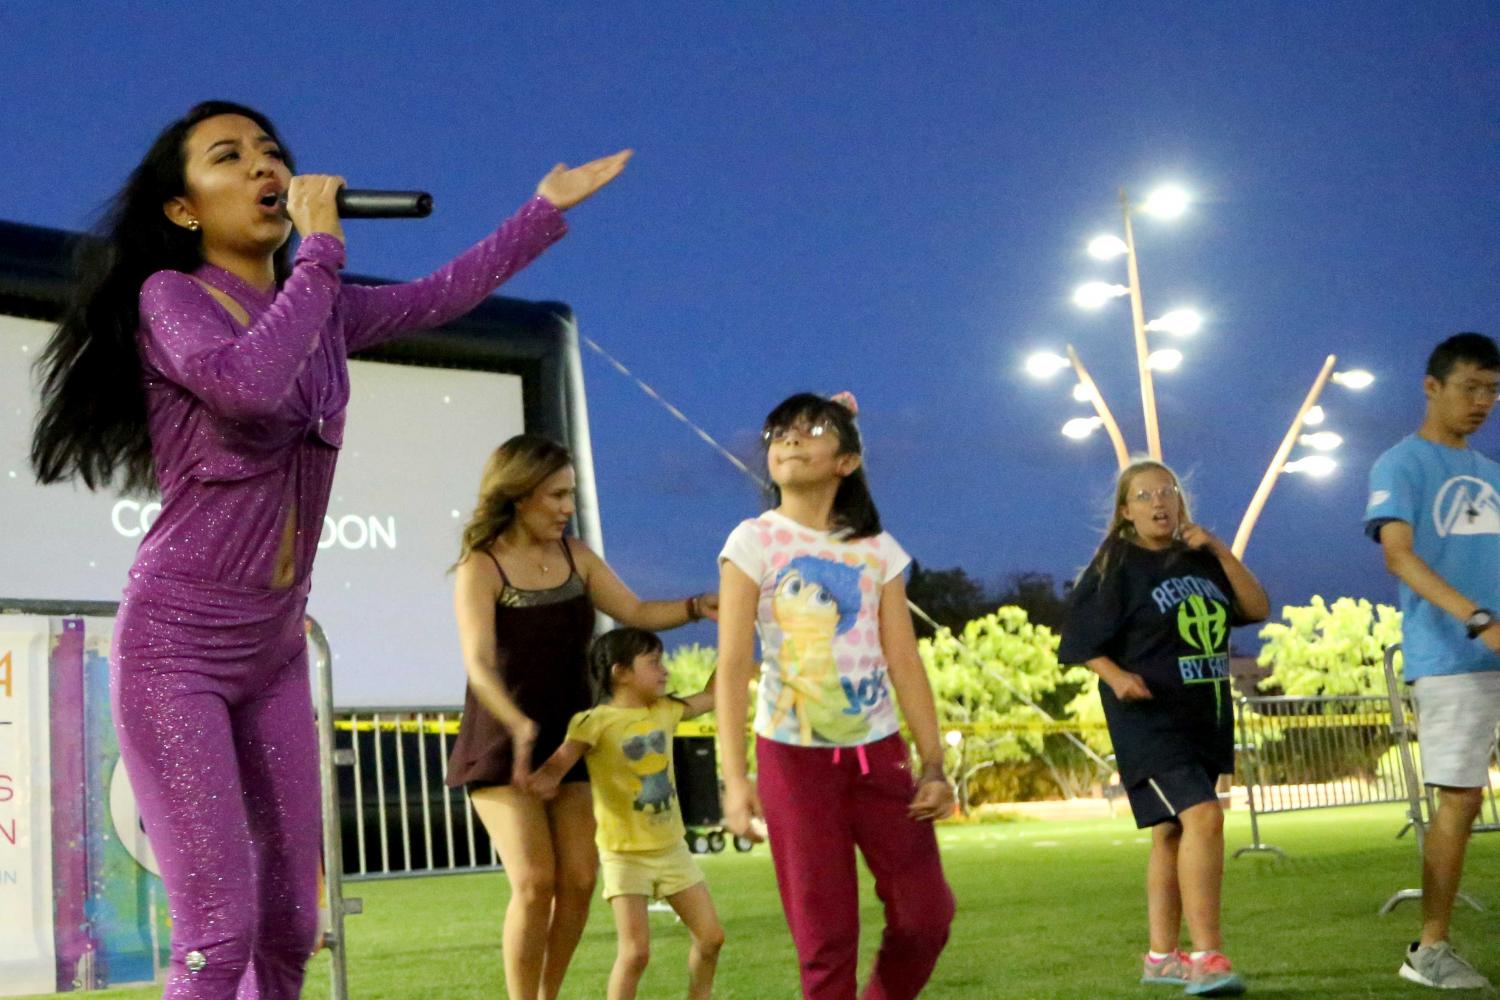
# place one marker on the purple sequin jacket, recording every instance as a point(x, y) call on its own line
point(246, 421)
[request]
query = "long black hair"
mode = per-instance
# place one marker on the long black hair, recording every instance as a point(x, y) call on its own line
point(92, 420)
point(854, 510)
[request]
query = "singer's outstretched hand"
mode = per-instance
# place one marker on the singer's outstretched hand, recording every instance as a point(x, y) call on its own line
point(566, 188)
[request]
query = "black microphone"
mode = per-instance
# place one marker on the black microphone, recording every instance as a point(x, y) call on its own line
point(360, 203)
point(365, 203)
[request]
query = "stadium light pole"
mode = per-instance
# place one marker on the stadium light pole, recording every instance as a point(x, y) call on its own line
point(1315, 465)
point(1166, 202)
point(1044, 364)
point(1106, 418)
point(1138, 325)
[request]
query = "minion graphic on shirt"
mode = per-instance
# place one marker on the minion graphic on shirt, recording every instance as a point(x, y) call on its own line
point(646, 755)
point(814, 602)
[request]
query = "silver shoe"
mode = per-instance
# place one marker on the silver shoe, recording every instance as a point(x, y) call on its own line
point(1440, 967)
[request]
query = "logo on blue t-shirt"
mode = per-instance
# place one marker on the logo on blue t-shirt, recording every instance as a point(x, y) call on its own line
point(1466, 505)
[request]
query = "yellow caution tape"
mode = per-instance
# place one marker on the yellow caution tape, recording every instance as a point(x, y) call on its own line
point(707, 727)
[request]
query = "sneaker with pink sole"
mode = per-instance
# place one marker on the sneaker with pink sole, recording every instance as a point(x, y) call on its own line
point(1210, 975)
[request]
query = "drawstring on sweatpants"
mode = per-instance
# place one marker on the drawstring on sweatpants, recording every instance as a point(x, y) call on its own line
point(859, 751)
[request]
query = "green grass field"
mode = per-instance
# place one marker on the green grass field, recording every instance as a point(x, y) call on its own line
point(1045, 910)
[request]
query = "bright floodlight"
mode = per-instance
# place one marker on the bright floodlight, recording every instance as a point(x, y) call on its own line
point(1096, 293)
point(1355, 378)
point(1322, 440)
point(1314, 416)
point(1164, 360)
point(1178, 322)
point(1045, 364)
point(1081, 427)
point(1166, 202)
point(1312, 465)
point(1082, 393)
point(1107, 247)
point(954, 737)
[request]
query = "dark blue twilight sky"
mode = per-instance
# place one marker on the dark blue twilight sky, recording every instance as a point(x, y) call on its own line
point(888, 198)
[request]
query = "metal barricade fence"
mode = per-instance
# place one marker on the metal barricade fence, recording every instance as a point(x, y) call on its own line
point(399, 816)
point(1299, 753)
point(338, 905)
point(1322, 752)
point(1293, 754)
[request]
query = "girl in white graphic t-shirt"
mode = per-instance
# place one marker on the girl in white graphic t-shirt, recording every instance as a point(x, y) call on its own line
point(821, 585)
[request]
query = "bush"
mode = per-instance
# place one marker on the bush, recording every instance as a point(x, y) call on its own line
point(1320, 649)
point(689, 668)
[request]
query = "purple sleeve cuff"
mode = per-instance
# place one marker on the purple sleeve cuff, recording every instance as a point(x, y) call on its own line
point(547, 217)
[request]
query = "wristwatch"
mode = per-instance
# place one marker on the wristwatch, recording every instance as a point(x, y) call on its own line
point(1481, 619)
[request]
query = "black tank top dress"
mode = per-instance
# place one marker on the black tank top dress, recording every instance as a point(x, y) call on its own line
point(541, 641)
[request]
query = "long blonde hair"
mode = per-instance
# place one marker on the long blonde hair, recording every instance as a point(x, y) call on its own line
point(1121, 531)
point(513, 471)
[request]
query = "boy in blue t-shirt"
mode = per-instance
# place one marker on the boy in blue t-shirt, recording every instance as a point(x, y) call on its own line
point(1435, 510)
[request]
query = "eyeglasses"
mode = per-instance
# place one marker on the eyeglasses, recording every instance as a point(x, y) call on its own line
point(1479, 392)
point(772, 435)
point(1162, 493)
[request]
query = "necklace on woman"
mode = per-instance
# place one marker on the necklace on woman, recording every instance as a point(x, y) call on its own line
point(540, 564)
point(538, 561)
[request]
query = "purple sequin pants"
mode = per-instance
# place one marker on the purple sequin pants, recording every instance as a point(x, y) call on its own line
point(211, 700)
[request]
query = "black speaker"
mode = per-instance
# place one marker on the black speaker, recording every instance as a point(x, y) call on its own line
point(695, 766)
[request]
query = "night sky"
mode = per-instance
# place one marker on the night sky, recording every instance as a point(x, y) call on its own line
point(888, 198)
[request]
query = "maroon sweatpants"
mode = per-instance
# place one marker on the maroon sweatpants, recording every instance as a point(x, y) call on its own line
point(820, 805)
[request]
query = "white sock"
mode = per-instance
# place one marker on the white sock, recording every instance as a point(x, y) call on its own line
point(1158, 956)
point(1195, 956)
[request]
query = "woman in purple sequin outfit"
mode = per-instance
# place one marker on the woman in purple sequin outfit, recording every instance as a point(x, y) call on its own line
point(196, 361)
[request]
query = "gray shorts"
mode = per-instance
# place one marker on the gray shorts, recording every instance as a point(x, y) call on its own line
point(1457, 715)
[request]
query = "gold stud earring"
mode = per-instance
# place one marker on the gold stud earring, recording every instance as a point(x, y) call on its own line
point(193, 225)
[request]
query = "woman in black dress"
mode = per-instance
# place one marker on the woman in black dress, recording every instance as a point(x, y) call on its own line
point(1151, 616)
point(525, 596)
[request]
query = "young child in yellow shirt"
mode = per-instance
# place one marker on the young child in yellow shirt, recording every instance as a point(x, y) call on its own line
point(627, 741)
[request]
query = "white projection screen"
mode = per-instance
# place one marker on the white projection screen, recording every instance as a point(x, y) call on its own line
point(407, 478)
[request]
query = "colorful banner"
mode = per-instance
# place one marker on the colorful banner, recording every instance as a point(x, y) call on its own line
point(27, 957)
point(82, 904)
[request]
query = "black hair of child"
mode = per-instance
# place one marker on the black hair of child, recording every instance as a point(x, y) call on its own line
point(622, 646)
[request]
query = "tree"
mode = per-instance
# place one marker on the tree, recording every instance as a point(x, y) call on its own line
point(989, 678)
point(1320, 649)
point(1037, 594)
point(949, 596)
point(953, 598)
